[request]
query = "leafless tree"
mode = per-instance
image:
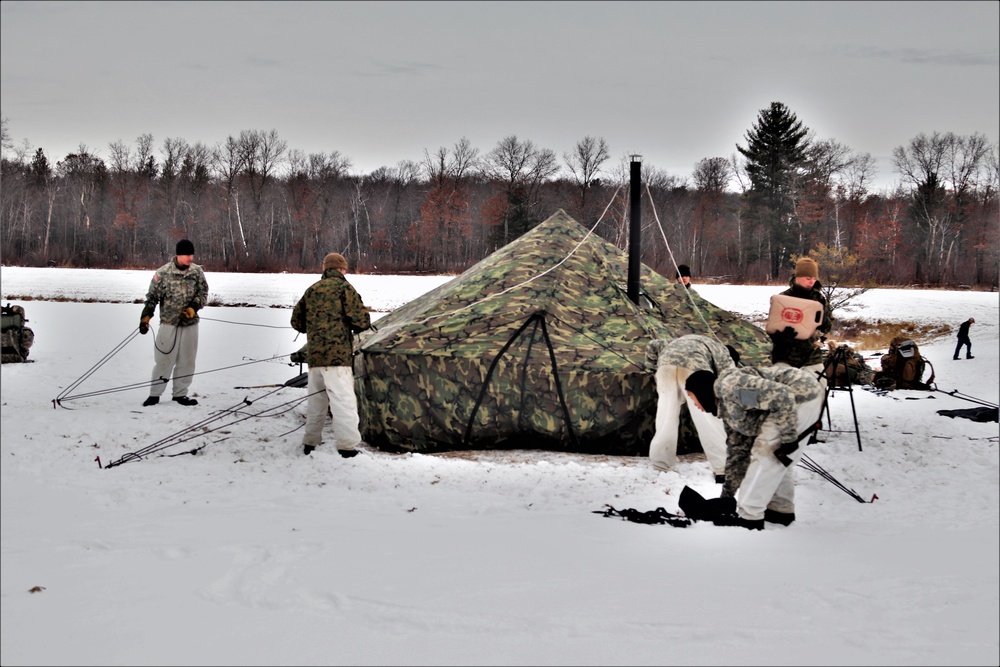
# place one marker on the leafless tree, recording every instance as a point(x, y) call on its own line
point(455, 164)
point(711, 177)
point(585, 163)
point(520, 166)
point(942, 169)
point(858, 173)
point(229, 160)
point(6, 143)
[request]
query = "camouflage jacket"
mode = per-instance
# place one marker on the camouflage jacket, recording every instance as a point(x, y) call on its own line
point(328, 313)
point(748, 395)
point(173, 289)
point(801, 353)
point(694, 352)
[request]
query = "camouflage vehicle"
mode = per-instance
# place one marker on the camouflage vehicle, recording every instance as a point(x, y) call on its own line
point(535, 347)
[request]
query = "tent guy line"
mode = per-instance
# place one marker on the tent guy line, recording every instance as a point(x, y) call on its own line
point(673, 261)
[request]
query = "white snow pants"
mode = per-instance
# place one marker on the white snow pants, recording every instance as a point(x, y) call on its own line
point(768, 483)
point(332, 388)
point(175, 350)
point(816, 370)
point(711, 431)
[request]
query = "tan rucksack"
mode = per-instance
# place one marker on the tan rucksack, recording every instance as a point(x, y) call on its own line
point(903, 367)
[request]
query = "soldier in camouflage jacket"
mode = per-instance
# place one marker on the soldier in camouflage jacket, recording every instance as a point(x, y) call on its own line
point(180, 290)
point(329, 313)
point(764, 410)
point(675, 360)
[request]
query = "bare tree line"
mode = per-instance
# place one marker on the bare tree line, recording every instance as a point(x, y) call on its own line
point(252, 204)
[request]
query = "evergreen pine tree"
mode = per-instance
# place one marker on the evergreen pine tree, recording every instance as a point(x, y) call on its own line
point(776, 146)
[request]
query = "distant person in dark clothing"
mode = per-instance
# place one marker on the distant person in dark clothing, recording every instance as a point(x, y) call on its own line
point(684, 275)
point(963, 339)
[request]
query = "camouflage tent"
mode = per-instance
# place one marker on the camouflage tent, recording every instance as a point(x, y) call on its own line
point(535, 347)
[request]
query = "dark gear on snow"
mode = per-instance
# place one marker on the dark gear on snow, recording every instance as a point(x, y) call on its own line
point(17, 338)
point(657, 516)
point(698, 508)
point(981, 414)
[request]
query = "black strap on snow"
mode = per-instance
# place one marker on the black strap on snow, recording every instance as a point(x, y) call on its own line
point(657, 516)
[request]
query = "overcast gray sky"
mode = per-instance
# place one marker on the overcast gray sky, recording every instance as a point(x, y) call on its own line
point(381, 82)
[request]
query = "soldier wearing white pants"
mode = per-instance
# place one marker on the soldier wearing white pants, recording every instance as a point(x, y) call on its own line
point(330, 313)
point(675, 360)
point(765, 411)
point(332, 388)
point(768, 488)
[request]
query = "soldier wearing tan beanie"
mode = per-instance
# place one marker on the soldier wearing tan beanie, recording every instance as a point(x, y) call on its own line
point(806, 354)
point(330, 313)
point(334, 260)
point(806, 268)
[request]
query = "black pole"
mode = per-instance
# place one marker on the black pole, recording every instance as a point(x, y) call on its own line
point(635, 228)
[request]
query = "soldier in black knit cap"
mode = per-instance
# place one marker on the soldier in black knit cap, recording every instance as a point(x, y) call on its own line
point(180, 290)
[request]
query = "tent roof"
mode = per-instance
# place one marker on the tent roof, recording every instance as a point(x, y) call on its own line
point(578, 282)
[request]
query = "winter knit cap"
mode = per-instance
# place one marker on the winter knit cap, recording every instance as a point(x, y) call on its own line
point(334, 261)
point(683, 270)
point(185, 247)
point(806, 268)
point(702, 385)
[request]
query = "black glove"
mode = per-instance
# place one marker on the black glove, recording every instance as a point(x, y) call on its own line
point(782, 452)
point(786, 334)
point(144, 325)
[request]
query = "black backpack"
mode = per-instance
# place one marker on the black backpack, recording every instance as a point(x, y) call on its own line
point(17, 338)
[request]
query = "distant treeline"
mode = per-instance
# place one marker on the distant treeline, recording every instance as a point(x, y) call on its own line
point(250, 204)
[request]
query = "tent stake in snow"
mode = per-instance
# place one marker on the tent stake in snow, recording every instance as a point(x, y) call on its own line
point(812, 466)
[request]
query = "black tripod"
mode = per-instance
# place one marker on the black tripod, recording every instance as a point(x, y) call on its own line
point(834, 362)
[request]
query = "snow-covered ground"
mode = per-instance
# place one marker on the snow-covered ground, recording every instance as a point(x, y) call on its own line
point(251, 553)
